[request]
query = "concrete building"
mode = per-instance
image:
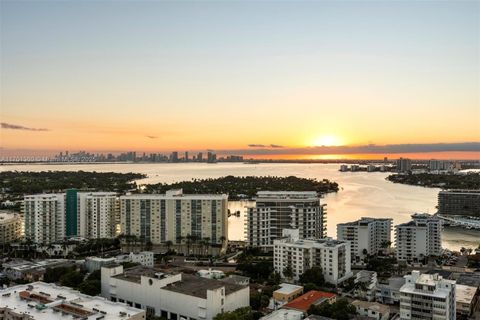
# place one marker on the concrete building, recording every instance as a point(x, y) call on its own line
point(367, 236)
point(372, 310)
point(427, 296)
point(419, 238)
point(286, 293)
point(367, 290)
point(467, 299)
point(459, 202)
point(19, 269)
point(46, 301)
point(332, 256)
point(172, 295)
point(404, 165)
point(284, 314)
point(278, 210)
point(175, 217)
point(54, 217)
point(389, 293)
point(96, 263)
point(10, 227)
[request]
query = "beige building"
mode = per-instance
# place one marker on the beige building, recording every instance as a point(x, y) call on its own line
point(287, 292)
point(175, 217)
point(10, 227)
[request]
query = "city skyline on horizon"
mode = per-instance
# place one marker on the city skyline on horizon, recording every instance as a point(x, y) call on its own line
point(315, 80)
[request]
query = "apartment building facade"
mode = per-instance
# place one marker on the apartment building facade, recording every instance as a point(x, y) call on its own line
point(175, 217)
point(10, 227)
point(299, 255)
point(277, 210)
point(427, 296)
point(54, 217)
point(459, 202)
point(419, 238)
point(367, 236)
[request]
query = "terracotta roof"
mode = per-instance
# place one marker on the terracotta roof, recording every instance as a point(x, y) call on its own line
point(305, 301)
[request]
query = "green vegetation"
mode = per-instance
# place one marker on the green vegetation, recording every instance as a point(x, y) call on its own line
point(445, 181)
point(254, 264)
point(245, 187)
point(74, 278)
point(313, 278)
point(26, 182)
point(239, 314)
point(340, 310)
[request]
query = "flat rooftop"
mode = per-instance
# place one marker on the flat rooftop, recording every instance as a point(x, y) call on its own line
point(198, 286)
point(374, 306)
point(464, 294)
point(287, 288)
point(135, 274)
point(45, 301)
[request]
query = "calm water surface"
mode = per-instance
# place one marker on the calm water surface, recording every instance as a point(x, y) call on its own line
point(361, 193)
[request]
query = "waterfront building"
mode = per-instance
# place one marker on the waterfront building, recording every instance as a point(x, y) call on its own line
point(404, 165)
point(372, 310)
point(10, 227)
point(439, 165)
point(172, 295)
point(175, 217)
point(46, 301)
point(54, 217)
point(367, 236)
point(427, 296)
point(419, 238)
point(277, 210)
point(459, 202)
point(299, 255)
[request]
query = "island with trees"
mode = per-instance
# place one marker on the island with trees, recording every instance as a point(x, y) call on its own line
point(444, 181)
point(245, 187)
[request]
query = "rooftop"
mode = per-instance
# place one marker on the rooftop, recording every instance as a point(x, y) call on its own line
point(198, 286)
point(374, 306)
point(284, 314)
point(464, 294)
point(287, 288)
point(43, 301)
point(306, 300)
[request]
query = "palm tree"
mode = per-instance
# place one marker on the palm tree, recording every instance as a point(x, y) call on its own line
point(169, 244)
point(189, 242)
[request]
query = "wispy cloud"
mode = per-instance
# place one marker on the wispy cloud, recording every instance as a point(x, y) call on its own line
point(151, 137)
point(255, 145)
point(260, 149)
point(5, 125)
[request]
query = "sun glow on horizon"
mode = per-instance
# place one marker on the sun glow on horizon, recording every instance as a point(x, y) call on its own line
point(327, 140)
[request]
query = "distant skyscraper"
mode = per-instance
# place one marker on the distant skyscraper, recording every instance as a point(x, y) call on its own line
point(186, 156)
point(200, 157)
point(174, 156)
point(211, 157)
point(404, 165)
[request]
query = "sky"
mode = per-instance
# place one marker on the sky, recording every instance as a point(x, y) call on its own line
point(261, 77)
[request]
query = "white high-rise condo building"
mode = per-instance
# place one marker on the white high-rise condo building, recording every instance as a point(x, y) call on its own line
point(297, 255)
point(175, 216)
point(427, 296)
point(278, 210)
point(367, 236)
point(54, 217)
point(404, 165)
point(419, 238)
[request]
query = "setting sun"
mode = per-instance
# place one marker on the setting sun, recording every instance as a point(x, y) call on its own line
point(327, 141)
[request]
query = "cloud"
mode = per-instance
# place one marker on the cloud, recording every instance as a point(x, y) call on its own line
point(5, 125)
point(255, 145)
point(151, 137)
point(259, 149)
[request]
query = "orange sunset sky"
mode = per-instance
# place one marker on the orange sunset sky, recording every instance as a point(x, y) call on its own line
point(265, 79)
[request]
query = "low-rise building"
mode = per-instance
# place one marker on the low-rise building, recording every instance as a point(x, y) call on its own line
point(372, 310)
point(19, 269)
point(145, 258)
point(96, 263)
point(46, 301)
point(466, 299)
point(297, 256)
point(390, 293)
point(366, 285)
point(172, 295)
point(313, 297)
point(211, 274)
point(284, 314)
point(286, 293)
